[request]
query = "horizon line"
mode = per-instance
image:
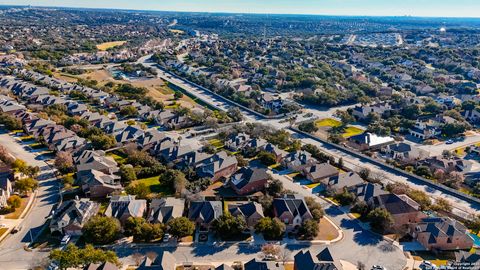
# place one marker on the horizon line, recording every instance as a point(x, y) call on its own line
point(245, 13)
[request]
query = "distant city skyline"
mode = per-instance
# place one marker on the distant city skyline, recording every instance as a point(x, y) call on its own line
point(420, 8)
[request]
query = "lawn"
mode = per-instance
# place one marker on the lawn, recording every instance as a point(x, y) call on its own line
point(107, 45)
point(313, 185)
point(155, 186)
point(216, 143)
point(118, 158)
point(18, 211)
point(326, 231)
point(3, 231)
point(351, 131)
point(328, 122)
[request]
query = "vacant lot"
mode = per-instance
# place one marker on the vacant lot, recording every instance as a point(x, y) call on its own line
point(328, 122)
point(352, 131)
point(107, 45)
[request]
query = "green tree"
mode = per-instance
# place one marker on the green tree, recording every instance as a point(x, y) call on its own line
point(421, 198)
point(102, 142)
point(173, 178)
point(141, 190)
point(180, 227)
point(345, 197)
point(133, 226)
point(74, 257)
point(127, 174)
point(275, 187)
point(309, 127)
point(101, 230)
point(25, 185)
point(309, 229)
point(315, 208)
point(14, 201)
point(380, 220)
point(177, 95)
point(228, 226)
point(129, 111)
point(270, 228)
point(267, 158)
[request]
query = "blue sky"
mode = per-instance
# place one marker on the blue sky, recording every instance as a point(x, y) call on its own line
point(431, 8)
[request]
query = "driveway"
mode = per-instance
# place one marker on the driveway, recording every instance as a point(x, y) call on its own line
point(358, 244)
point(12, 253)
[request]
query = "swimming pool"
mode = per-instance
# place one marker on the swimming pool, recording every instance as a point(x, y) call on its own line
point(476, 240)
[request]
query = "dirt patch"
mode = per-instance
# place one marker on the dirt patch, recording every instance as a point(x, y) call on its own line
point(107, 45)
point(327, 231)
point(18, 211)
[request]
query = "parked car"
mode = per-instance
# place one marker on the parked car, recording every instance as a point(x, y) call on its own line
point(378, 267)
point(449, 142)
point(16, 230)
point(65, 240)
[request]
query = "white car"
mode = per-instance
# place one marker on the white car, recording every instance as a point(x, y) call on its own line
point(3, 226)
point(378, 267)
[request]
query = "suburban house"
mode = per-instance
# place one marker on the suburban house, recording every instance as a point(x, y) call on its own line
point(339, 182)
point(369, 141)
point(95, 160)
point(248, 180)
point(164, 261)
point(404, 210)
point(298, 160)
point(425, 129)
point(123, 207)
point(251, 211)
point(236, 142)
point(273, 149)
point(463, 258)
point(71, 215)
point(366, 191)
point(362, 112)
point(472, 116)
point(319, 172)
point(217, 166)
point(405, 152)
point(97, 184)
point(305, 260)
point(291, 210)
point(252, 146)
point(441, 233)
point(453, 164)
point(164, 209)
point(256, 264)
point(203, 213)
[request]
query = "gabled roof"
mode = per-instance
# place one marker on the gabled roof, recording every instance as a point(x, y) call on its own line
point(323, 261)
point(125, 205)
point(164, 209)
point(246, 210)
point(207, 211)
point(319, 171)
point(256, 264)
point(247, 175)
point(396, 204)
point(294, 206)
point(348, 179)
point(164, 261)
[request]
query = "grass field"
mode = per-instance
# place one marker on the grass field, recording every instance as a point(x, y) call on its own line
point(216, 143)
point(328, 122)
point(155, 186)
point(176, 31)
point(119, 159)
point(107, 45)
point(352, 131)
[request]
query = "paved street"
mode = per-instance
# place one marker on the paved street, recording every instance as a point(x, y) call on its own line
point(12, 253)
point(460, 207)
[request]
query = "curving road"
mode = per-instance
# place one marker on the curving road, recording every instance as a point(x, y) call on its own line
point(12, 252)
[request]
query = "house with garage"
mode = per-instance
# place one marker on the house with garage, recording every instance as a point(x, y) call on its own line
point(292, 210)
point(203, 213)
point(70, 216)
point(252, 212)
point(318, 172)
point(248, 180)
